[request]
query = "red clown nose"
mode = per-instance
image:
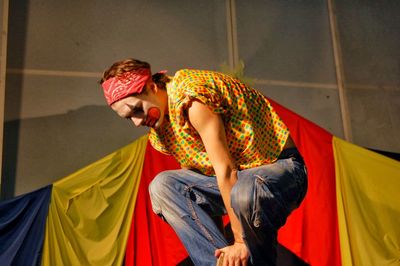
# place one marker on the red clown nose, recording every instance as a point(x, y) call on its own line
point(154, 113)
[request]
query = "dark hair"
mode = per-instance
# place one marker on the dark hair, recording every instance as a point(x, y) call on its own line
point(131, 64)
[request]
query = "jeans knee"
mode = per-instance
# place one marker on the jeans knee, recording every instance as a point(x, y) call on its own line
point(160, 189)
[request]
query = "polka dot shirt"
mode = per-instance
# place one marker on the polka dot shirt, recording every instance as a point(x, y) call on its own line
point(255, 133)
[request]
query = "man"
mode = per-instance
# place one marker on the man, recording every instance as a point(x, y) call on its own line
point(236, 154)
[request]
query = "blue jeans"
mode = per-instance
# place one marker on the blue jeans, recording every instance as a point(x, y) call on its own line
point(262, 199)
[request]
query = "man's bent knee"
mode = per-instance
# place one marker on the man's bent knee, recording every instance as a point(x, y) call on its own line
point(160, 189)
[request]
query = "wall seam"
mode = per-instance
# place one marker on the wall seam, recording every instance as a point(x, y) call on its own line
point(337, 54)
point(3, 67)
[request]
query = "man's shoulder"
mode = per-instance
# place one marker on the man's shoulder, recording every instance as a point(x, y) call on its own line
point(185, 79)
point(195, 73)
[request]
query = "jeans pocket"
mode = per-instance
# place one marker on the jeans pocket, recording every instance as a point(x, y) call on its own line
point(268, 209)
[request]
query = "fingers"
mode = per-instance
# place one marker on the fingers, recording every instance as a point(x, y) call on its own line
point(230, 261)
point(217, 253)
point(227, 261)
point(226, 258)
point(233, 262)
point(220, 260)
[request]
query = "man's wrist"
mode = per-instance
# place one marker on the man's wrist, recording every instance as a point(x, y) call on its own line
point(238, 239)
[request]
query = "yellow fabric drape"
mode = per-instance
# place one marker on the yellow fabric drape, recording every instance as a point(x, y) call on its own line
point(91, 210)
point(368, 198)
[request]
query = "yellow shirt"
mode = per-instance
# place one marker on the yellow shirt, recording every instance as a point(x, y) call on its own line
point(255, 133)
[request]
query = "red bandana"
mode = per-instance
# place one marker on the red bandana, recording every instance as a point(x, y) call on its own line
point(119, 87)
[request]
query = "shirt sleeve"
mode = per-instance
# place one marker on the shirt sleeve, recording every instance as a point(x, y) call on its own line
point(204, 88)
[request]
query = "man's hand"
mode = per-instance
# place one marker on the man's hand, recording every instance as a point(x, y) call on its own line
point(235, 255)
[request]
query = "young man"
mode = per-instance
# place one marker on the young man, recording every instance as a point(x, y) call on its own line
point(236, 154)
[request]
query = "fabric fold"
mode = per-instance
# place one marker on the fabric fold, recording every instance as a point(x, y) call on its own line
point(90, 214)
point(368, 205)
point(152, 241)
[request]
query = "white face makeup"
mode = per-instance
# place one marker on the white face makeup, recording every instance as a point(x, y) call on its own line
point(146, 109)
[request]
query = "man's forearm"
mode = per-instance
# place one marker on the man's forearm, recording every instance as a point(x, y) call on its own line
point(225, 185)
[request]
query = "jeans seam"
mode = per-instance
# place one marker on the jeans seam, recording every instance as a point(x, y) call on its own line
point(196, 217)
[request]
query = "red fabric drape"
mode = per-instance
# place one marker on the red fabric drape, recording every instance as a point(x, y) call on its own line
point(311, 231)
point(151, 240)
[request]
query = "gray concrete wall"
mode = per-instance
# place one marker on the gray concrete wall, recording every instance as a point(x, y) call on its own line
point(286, 46)
point(57, 120)
point(370, 39)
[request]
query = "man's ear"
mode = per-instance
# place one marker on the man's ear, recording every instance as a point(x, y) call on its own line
point(152, 86)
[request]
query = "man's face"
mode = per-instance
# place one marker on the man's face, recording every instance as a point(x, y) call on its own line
point(145, 109)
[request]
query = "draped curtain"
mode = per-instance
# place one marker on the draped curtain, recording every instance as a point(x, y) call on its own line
point(101, 214)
